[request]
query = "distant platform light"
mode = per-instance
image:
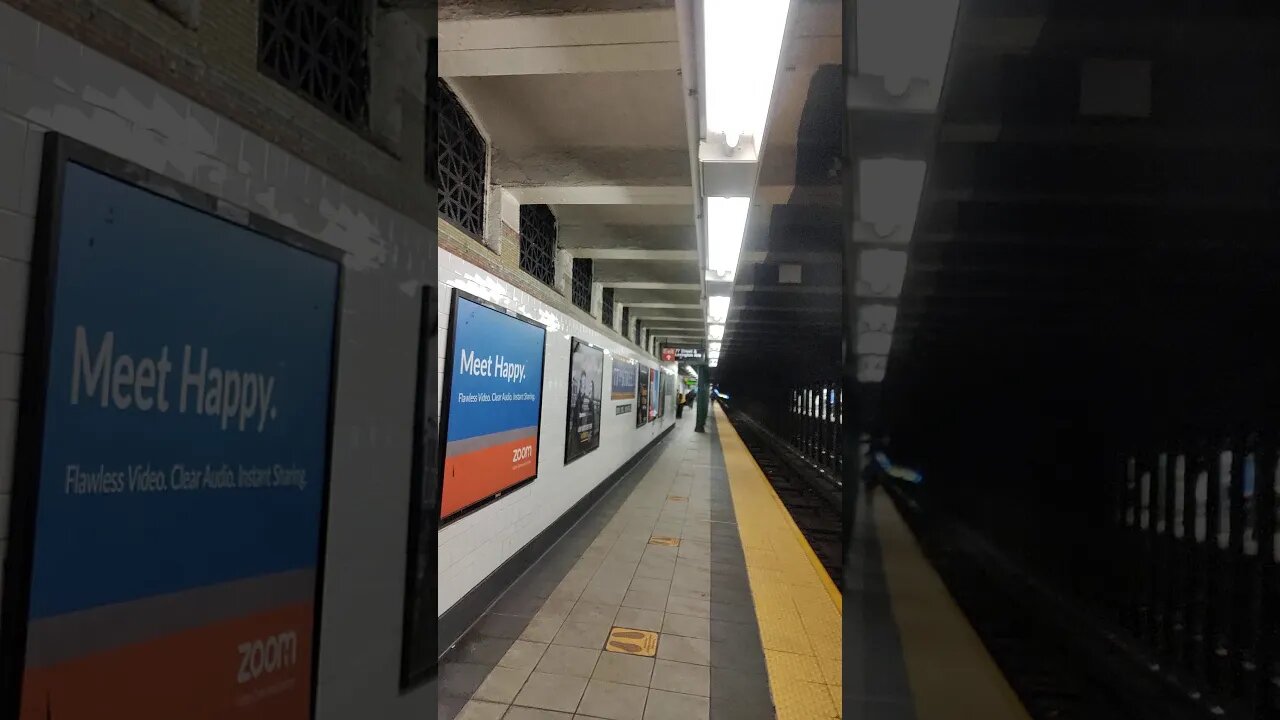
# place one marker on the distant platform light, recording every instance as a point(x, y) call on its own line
point(718, 309)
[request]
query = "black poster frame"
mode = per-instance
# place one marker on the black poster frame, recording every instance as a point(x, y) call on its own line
point(424, 507)
point(58, 152)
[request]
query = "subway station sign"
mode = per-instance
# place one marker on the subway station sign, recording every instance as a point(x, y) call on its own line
point(673, 353)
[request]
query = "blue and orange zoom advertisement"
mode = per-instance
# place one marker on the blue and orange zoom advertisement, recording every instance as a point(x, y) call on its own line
point(494, 404)
point(182, 472)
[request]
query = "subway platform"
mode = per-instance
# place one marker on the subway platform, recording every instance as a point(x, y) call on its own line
point(686, 593)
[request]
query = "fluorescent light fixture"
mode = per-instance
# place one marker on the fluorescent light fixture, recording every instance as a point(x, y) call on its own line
point(877, 318)
point(871, 368)
point(889, 195)
point(713, 356)
point(905, 40)
point(718, 309)
point(715, 347)
point(874, 343)
point(741, 44)
point(715, 363)
point(726, 219)
point(881, 273)
point(715, 332)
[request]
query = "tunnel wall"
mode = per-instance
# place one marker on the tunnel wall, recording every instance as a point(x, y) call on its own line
point(388, 258)
point(477, 544)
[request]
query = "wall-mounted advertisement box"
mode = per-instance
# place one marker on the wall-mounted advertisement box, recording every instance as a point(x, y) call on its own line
point(419, 642)
point(655, 398)
point(586, 391)
point(623, 386)
point(642, 399)
point(169, 510)
point(491, 406)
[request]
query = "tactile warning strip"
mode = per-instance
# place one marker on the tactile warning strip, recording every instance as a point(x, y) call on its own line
point(798, 608)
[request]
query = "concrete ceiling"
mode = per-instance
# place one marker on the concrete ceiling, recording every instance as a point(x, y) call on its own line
point(625, 110)
point(583, 106)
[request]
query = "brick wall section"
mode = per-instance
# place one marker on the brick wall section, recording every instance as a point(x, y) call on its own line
point(216, 66)
point(506, 265)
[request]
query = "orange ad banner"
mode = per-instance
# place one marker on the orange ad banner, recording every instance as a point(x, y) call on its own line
point(472, 477)
point(252, 668)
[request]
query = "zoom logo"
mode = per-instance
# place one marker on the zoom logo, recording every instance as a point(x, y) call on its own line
point(263, 657)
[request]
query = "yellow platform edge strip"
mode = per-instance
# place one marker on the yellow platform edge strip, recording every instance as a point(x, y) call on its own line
point(801, 648)
point(950, 672)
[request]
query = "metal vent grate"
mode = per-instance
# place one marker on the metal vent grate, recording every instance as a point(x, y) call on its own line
point(626, 320)
point(606, 306)
point(319, 49)
point(582, 283)
point(538, 243)
point(461, 164)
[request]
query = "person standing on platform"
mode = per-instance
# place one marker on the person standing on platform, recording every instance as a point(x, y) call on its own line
point(679, 405)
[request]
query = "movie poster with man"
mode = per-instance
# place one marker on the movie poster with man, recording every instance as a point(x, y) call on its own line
point(586, 391)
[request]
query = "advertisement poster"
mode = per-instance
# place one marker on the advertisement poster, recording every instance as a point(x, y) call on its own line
point(654, 398)
point(175, 454)
point(662, 394)
point(642, 400)
point(586, 390)
point(624, 379)
point(492, 403)
point(418, 644)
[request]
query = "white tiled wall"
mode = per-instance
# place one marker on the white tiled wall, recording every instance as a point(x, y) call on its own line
point(475, 545)
point(50, 82)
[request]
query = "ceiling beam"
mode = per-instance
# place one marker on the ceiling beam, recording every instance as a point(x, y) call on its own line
point(603, 194)
point(643, 40)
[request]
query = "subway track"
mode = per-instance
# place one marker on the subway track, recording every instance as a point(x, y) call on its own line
point(1046, 649)
point(812, 499)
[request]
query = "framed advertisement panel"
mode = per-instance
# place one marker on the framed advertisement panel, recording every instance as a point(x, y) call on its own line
point(174, 439)
point(655, 400)
point(642, 395)
point(586, 394)
point(418, 635)
point(623, 385)
point(491, 407)
point(662, 393)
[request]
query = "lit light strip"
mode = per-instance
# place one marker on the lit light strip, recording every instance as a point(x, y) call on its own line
point(881, 273)
point(718, 309)
point(905, 40)
point(742, 42)
point(726, 221)
point(889, 191)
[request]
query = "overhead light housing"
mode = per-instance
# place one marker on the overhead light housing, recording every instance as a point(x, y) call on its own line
point(718, 309)
point(715, 347)
point(726, 220)
point(881, 273)
point(715, 362)
point(742, 42)
point(889, 192)
point(906, 42)
point(715, 332)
